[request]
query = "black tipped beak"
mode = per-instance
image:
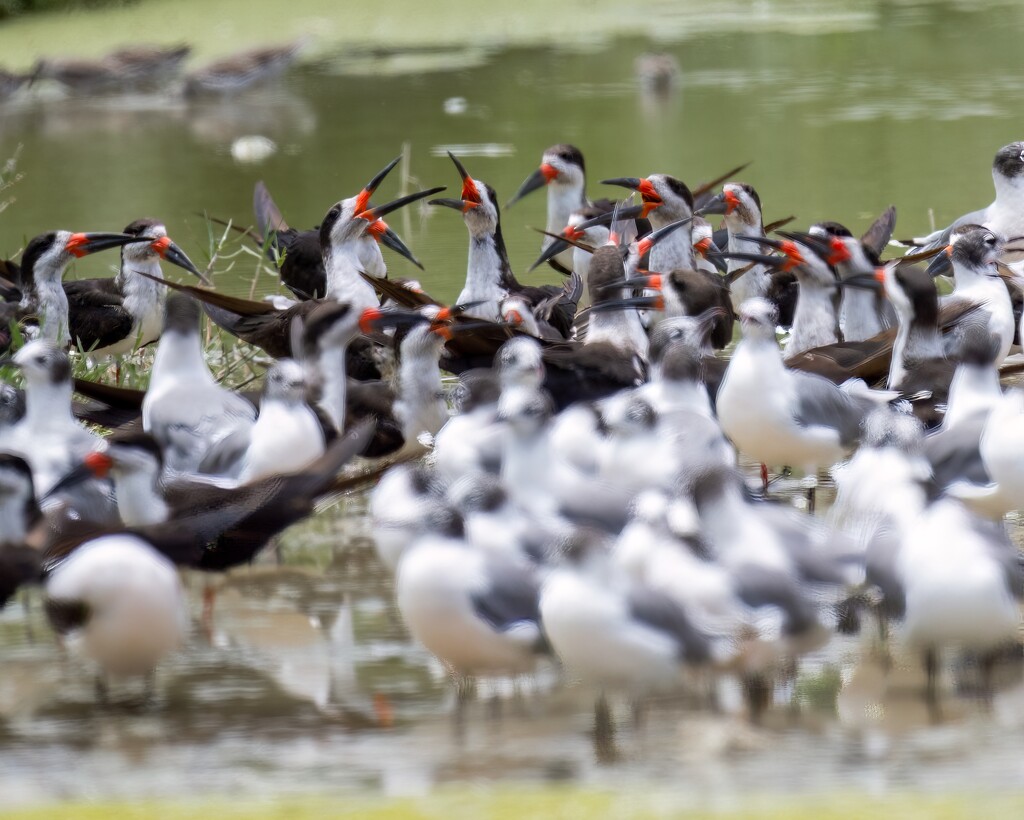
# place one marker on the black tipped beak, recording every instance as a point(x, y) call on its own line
point(533, 182)
point(463, 173)
point(633, 183)
point(865, 281)
point(82, 244)
point(378, 211)
point(374, 319)
point(714, 255)
point(941, 265)
point(176, 256)
point(393, 241)
point(378, 178)
point(741, 256)
point(77, 475)
point(629, 212)
point(715, 206)
point(647, 242)
point(632, 303)
point(460, 205)
point(551, 251)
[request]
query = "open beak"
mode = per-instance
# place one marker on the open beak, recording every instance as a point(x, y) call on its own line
point(82, 244)
point(942, 263)
point(470, 195)
point(647, 192)
point(363, 198)
point(166, 249)
point(707, 248)
point(538, 179)
point(381, 231)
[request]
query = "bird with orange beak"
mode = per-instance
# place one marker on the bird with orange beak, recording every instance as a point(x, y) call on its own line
point(665, 200)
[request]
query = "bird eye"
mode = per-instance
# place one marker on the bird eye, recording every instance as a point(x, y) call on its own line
point(990, 240)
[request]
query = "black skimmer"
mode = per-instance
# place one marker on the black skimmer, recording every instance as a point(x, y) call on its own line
point(200, 525)
point(116, 315)
point(299, 253)
point(399, 504)
point(563, 172)
point(470, 441)
point(489, 277)
point(243, 70)
point(42, 266)
point(665, 200)
point(185, 409)
point(862, 314)
point(351, 258)
point(740, 206)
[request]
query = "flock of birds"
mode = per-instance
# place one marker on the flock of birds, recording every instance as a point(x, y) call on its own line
point(584, 500)
point(150, 68)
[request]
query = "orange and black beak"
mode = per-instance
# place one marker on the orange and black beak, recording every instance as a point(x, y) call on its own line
point(82, 244)
point(707, 248)
point(95, 465)
point(942, 262)
point(723, 204)
point(380, 230)
point(363, 198)
point(870, 280)
point(538, 179)
point(651, 198)
point(470, 193)
point(166, 249)
point(375, 319)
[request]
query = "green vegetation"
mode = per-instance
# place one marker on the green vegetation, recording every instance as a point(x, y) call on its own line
point(14, 8)
point(551, 803)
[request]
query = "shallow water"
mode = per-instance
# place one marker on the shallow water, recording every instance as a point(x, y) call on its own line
point(306, 664)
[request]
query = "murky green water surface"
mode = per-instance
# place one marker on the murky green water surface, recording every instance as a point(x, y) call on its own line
point(843, 109)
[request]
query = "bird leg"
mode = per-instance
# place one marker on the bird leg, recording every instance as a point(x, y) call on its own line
point(810, 483)
point(604, 731)
point(758, 691)
point(209, 599)
point(102, 691)
point(931, 692)
point(463, 690)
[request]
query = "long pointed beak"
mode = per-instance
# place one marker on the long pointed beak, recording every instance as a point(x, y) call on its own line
point(632, 303)
point(629, 212)
point(710, 251)
point(95, 465)
point(633, 183)
point(871, 280)
point(651, 281)
point(714, 183)
point(558, 244)
point(176, 256)
point(654, 237)
point(376, 212)
point(538, 179)
point(742, 256)
point(373, 319)
point(941, 264)
point(391, 239)
point(460, 205)
point(716, 206)
point(82, 244)
point(463, 173)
